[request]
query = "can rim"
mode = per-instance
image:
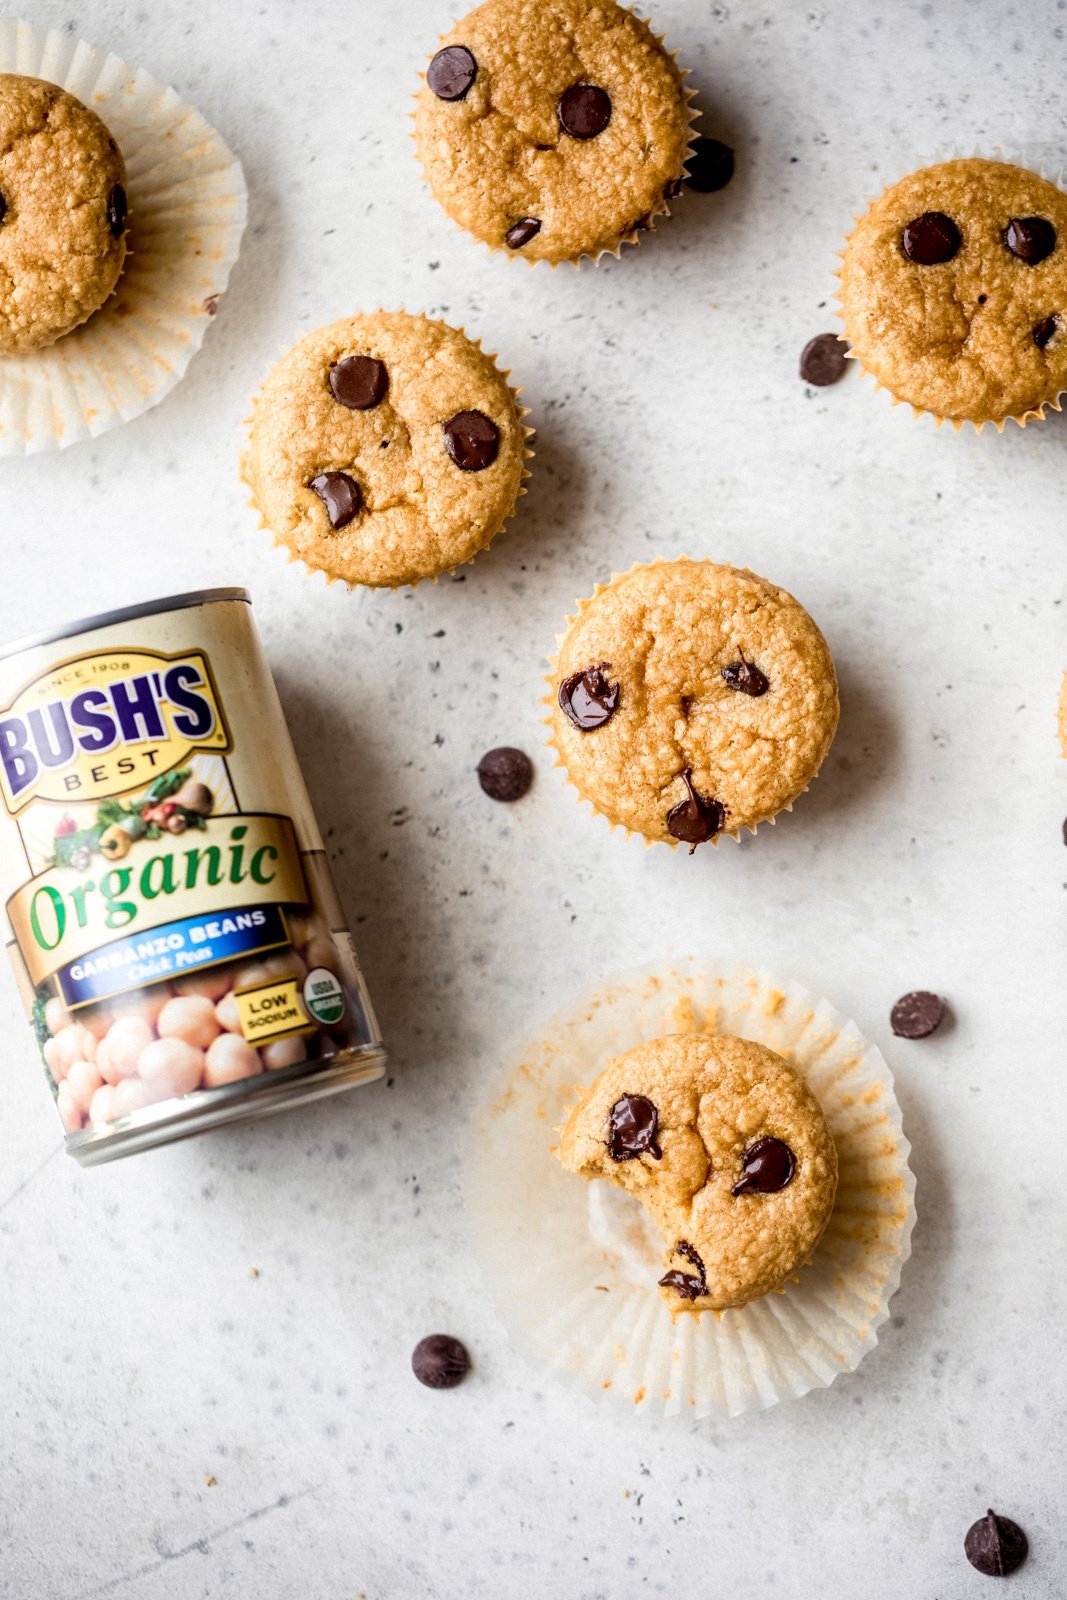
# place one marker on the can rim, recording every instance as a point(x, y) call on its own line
point(107, 619)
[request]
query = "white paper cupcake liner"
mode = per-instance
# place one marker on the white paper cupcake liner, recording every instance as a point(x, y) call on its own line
point(187, 204)
point(572, 1266)
point(1048, 163)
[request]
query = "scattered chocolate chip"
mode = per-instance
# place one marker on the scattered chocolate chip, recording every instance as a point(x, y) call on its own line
point(505, 773)
point(930, 239)
point(1030, 238)
point(584, 110)
point(917, 1014)
point(767, 1166)
point(634, 1122)
point(451, 72)
point(742, 675)
point(440, 1362)
point(589, 698)
point(472, 440)
point(996, 1546)
point(521, 232)
point(340, 494)
point(116, 211)
point(683, 1283)
point(1044, 330)
point(211, 304)
point(711, 166)
point(359, 382)
point(695, 820)
point(823, 360)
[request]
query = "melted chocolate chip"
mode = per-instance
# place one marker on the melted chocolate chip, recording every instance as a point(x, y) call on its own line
point(996, 1546)
point(340, 494)
point(472, 440)
point(767, 1166)
point(930, 239)
point(3, 208)
point(711, 166)
point(1030, 238)
point(589, 698)
point(359, 382)
point(683, 1283)
point(505, 773)
point(823, 360)
point(451, 72)
point(440, 1362)
point(746, 678)
point(695, 820)
point(1044, 330)
point(117, 211)
point(634, 1122)
point(521, 232)
point(917, 1014)
point(584, 110)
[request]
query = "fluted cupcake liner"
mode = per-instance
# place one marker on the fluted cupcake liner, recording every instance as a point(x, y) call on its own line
point(294, 558)
point(572, 1266)
point(551, 679)
point(637, 232)
point(1052, 173)
point(187, 209)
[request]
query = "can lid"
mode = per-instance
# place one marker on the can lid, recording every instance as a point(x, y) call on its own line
point(107, 619)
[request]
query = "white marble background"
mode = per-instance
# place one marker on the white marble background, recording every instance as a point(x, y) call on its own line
point(139, 1356)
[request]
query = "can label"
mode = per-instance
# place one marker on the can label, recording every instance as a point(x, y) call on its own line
point(174, 926)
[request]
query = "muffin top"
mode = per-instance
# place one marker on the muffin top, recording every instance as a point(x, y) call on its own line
point(691, 699)
point(385, 448)
point(552, 128)
point(954, 290)
point(62, 213)
point(726, 1148)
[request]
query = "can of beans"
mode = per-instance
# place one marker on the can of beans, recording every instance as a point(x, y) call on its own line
point(171, 917)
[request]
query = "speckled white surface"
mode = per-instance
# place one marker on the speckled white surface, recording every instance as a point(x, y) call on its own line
point(139, 1356)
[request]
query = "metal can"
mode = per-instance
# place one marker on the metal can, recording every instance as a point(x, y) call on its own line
point(173, 923)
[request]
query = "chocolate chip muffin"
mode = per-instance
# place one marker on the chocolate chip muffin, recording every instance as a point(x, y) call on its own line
point(690, 700)
point(62, 213)
point(954, 291)
point(728, 1151)
point(553, 129)
point(385, 449)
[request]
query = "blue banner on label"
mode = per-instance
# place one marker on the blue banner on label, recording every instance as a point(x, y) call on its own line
point(172, 951)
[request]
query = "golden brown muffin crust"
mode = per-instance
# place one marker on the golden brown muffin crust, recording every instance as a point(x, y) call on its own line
point(421, 514)
point(499, 154)
point(665, 633)
point(957, 338)
point(715, 1097)
point(62, 231)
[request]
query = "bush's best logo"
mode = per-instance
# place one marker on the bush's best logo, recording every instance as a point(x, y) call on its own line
point(105, 724)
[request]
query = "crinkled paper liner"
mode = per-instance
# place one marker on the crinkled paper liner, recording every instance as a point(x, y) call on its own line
point(549, 700)
point(1052, 172)
point(639, 229)
point(293, 557)
point(187, 208)
point(572, 1265)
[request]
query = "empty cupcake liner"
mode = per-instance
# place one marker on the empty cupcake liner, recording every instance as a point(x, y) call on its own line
point(572, 1266)
point(363, 589)
point(733, 834)
point(187, 209)
point(1053, 172)
point(637, 232)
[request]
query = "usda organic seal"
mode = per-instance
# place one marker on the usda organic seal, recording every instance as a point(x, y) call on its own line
point(323, 996)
